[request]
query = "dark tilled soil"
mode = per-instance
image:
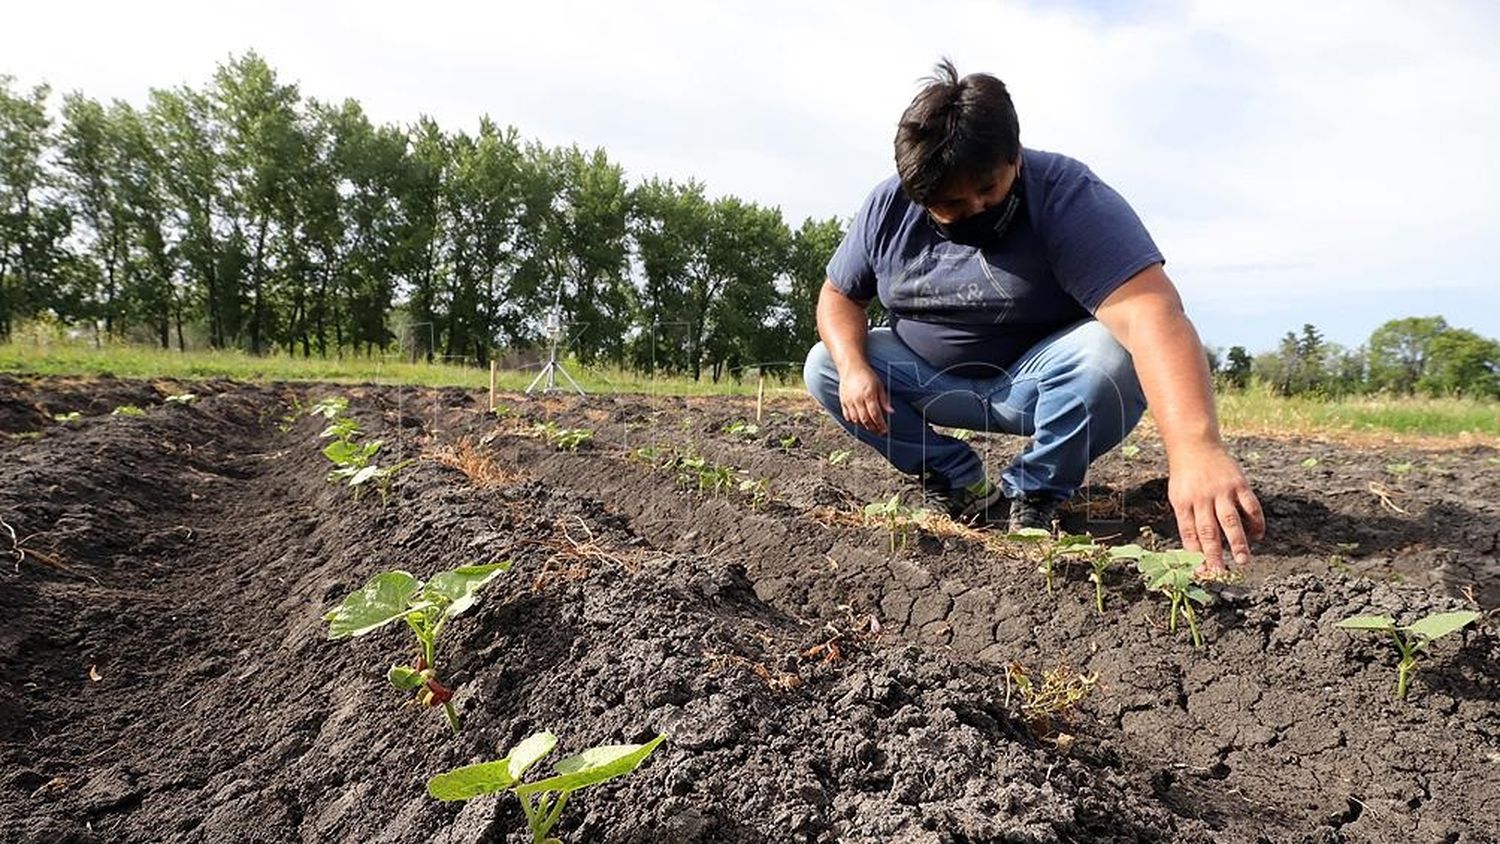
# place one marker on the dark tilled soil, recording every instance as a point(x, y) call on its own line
point(816, 687)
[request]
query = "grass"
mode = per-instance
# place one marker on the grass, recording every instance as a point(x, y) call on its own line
point(1250, 412)
point(131, 361)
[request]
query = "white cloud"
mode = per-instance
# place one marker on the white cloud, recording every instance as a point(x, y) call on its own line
point(1336, 146)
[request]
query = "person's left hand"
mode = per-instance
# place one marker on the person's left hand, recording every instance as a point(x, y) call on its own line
point(1213, 502)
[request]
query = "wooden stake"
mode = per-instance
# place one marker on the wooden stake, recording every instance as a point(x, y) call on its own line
point(494, 381)
point(760, 396)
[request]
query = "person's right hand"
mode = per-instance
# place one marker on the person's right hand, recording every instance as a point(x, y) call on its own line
point(863, 400)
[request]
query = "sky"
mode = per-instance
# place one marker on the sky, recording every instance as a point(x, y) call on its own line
point(1328, 162)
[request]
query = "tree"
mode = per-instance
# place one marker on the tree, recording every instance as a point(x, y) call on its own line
point(33, 225)
point(1236, 372)
point(1461, 362)
point(1398, 352)
point(807, 268)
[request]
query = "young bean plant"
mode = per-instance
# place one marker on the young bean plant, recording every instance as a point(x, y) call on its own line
point(427, 608)
point(542, 801)
point(563, 439)
point(1412, 639)
point(1172, 574)
point(1065, 549)
point(895, 516)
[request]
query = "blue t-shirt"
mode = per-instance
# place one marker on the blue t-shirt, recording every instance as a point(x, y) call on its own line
point(973, 309)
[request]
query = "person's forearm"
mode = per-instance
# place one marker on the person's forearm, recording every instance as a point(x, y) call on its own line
point(843, 326)
point(1173, 370)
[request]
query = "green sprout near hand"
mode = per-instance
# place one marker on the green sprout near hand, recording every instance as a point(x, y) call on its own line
point(1129, 451)
point(839, 456)
point(1049, 551)
point(896, 518)
point(542, 801)
point(1412, 639)
point(789, 442)
point(1172, 574)
point(427, 609)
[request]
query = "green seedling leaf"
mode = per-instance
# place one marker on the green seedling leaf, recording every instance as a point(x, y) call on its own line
point(384, 599)
point(1127, 552)
point(73, 416)
point(1310, 463)
point(529, 752)
point(363, 475)
point(329, 408)
point(1129, 451)
point(1368, 622)
point(839, 456)
point(1030, 535)
point(1441, 624)
point(472, 781)
point(404, 677)
point(594, 766)
point(182, 398)
point(127, 410)
point(455, 590)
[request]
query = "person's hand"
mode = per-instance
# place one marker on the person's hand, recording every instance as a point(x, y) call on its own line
point(863, 399)
point(1213, 503)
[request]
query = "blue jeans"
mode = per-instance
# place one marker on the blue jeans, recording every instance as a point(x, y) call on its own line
point(1075, 393)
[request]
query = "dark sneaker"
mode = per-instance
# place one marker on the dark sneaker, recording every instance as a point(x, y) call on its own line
point(970, 504)
point(1033, 511)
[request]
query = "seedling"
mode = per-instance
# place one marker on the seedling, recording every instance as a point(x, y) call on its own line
point(741, 428)
point(710, 477)
point(759, 490)
point(501, 411)
point(379, 477)
point(427, 609)
point(1253, 457)
point(1412, 639)
point(1400, 470)
point(1049, 551)
point(329, 408)
point(563, 439)
point(896, 517)
point(789, 442)
point(181, 398)
point(1052, 699)
point(654, 456)
point(542, 801)
point(839, 456)
point(961, 434)
point(1310, 463)
point(1172, 574)
point(1129, 451)
point(127, 410)
point(72, 416)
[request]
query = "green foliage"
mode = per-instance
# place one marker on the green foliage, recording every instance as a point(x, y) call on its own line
point(1412, 639)
point(839, 456)
point(563, 439)
point(895, 516)
point(181, 398)
point(354, 462)
point(71, 416)
point(708, 476)
point(427, 608)
point(742, 428)
point(1174, 574)
point(127, 410)
point(759, 491)
point(542, 801)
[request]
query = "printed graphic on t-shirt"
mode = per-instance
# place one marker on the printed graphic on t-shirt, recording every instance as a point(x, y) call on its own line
point(953, 284)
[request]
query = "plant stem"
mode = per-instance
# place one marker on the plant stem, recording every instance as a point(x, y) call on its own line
point(452, 714)
point(1099, 591)
point(1405, 666)
point(556, 814)
point(1187, 610)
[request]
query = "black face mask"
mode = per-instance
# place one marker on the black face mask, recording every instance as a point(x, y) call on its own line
point(988, 226)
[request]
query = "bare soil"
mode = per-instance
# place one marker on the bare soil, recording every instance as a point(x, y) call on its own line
point(167, 676)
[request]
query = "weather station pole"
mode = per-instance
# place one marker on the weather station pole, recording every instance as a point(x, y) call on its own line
point(553, 368)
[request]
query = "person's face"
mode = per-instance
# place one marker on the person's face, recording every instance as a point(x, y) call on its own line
point(967, 197)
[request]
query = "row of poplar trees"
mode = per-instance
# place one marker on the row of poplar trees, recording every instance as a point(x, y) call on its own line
point(244, 215)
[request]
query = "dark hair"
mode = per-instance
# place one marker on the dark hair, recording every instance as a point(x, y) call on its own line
point(954, 128)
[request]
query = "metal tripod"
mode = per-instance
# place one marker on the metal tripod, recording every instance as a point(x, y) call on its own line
point(554, 367)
